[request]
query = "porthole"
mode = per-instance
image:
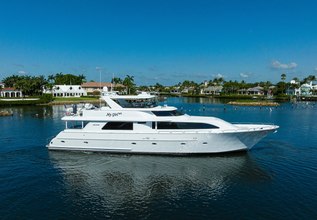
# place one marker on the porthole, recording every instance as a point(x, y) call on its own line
point(205, 143)
point(133, 143)
point(154, 143)
point(63, 141)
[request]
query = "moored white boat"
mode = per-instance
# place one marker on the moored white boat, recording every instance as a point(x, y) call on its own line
point(135, 124)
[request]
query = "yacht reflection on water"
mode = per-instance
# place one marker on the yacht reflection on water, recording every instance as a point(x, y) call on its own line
point(122, 179)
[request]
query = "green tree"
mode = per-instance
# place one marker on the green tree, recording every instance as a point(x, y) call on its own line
point(218, 81)
point(280, 88)
point(296, 79)
point(37, 85)
point(231, 87)
point(29, 85)
point(81, 78)
point(116, 80)
point(68, 79)
point(283, 77)
point(309, 79)
point(129, 83)
point(158, 87)
point(10, 81)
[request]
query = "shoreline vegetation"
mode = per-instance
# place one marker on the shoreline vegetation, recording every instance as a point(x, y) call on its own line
point(218, 88)
point(244, 100)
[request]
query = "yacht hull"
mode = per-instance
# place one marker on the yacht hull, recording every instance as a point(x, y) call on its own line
point(162, 142)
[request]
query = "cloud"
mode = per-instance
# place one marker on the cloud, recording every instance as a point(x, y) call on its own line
point(278, 65)
point(21, 72)
point(218, 75)
point(244, 75)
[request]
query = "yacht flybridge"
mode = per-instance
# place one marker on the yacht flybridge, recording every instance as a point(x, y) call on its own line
point(136, 124)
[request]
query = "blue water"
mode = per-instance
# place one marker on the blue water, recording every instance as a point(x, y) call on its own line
point(277, 179)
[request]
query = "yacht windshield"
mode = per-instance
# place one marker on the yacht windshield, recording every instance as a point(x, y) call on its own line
point(167, 113)
point(137, 103)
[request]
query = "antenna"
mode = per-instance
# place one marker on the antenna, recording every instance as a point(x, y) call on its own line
point(100, 90)
point(112, 81)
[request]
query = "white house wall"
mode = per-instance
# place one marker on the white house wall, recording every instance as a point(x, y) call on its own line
point(68, 91)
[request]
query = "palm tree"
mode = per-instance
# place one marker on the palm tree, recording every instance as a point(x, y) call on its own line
point(129, 83)
point(51, 78)
point(218, 81)
point(10, 81)
point(82, 78)
point(311, 78)
point(158, 87)
point(116, 80)
point(283, 77)
point(296, 79)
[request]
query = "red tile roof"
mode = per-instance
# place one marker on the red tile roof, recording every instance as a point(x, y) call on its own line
point(9, 89)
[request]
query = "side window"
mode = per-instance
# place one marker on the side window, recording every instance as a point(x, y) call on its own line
point(167, 113)
point(118, 126)
point(166, 125)
point(184, 125)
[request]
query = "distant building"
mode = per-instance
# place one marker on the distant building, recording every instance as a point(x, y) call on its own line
point(270, 91)
point(187, 90)
point(91, 87)
point(10, 92)
point(1, 85)
point(258, 90)
point(67, 91)
point(306, 89)
point(175, 91)
point(294, 82)
point(212, 90)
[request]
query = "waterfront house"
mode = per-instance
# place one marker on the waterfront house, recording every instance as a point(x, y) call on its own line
point(258, 90)
point(187, 90)
point(307, 89)
point(10, 92)
point(92, 87)
point(68, 91)
point(175, 91)
point(211, 90)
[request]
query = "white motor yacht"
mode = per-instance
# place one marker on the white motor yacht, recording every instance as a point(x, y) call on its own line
point(136, 124)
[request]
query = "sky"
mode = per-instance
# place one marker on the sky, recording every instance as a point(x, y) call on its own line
point(160, 41)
